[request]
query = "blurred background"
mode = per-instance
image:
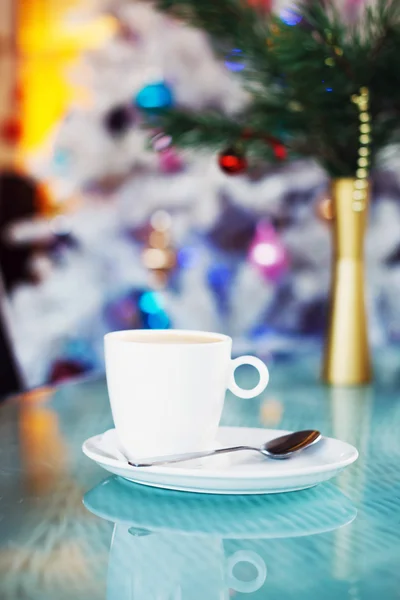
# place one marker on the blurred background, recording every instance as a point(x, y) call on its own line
point(105, 225)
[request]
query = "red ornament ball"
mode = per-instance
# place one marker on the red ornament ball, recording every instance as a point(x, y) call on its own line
point(232, 161)
point(280, 151)
point(11, 130)
point(263, 5)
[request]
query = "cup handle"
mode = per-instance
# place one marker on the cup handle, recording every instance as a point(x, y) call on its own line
point(262, 371)
point(246, 587)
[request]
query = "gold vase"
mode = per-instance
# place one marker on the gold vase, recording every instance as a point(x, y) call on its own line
point(347, 356)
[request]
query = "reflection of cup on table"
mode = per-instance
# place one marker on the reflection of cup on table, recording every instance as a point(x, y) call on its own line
point(166, 542)
point(169, 566)
point(167, 388)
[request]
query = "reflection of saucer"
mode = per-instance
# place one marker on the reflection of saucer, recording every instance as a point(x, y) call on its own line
point(244, 472)
point(312, 511)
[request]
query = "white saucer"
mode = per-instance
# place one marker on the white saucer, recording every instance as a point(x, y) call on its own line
point(241, 473)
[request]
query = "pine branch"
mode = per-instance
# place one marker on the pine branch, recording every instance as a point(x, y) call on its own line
point(301, 79)
point(216, 132)
point(200, 129)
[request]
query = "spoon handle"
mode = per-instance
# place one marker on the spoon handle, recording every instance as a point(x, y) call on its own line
point(277, 448)
point(190, 456)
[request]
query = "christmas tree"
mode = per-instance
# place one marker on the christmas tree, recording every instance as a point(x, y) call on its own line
point(156, 237)
point(330, 89)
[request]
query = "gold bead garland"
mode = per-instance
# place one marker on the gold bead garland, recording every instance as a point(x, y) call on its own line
point(362, 101)
point(362, 173)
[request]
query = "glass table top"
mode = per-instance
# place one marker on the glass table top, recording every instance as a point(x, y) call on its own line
point(68, 530)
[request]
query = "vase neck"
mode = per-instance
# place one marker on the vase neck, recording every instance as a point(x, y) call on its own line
point(349, 221)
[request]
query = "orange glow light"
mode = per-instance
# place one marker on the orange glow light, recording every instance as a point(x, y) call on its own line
point(49, 41)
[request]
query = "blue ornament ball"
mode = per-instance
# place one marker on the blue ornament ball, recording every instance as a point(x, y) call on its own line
point(234, 60)
point(154, 97)
point(290, 17)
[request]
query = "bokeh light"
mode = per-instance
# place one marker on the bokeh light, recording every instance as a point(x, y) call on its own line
point(159, 320)
point(290, 17)
point(161, 220)
point(187, 257)
point(150, 302)
point(265, 254)
point(234, 60)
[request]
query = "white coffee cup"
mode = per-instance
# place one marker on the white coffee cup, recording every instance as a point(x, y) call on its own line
point(167, 388)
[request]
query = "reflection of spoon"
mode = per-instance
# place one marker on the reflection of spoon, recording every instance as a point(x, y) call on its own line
point(278, 448)
point(316, 510)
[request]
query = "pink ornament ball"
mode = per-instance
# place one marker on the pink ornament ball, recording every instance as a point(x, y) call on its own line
point(170, 162)
point(267, 253)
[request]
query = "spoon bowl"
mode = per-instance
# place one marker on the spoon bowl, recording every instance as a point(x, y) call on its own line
point(287, 445)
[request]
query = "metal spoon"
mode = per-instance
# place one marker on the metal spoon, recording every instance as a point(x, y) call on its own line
point(278, 448)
